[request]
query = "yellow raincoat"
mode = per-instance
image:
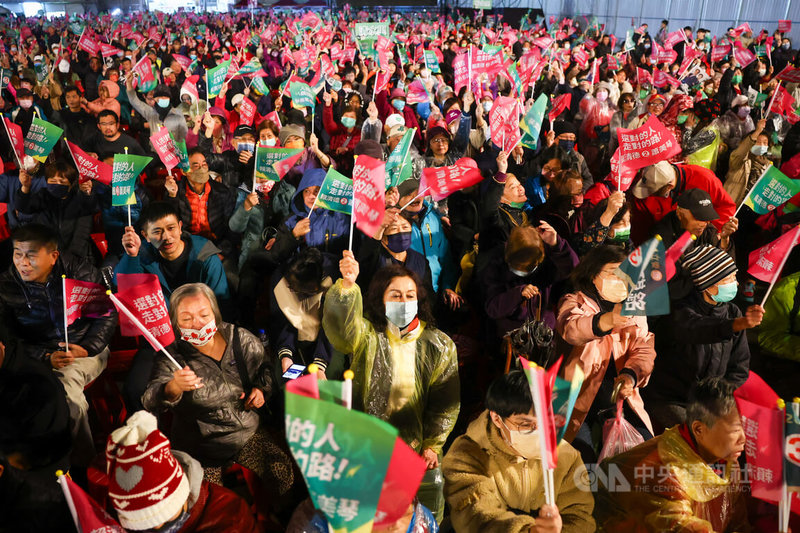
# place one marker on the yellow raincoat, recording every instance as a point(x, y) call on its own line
point(663, 485)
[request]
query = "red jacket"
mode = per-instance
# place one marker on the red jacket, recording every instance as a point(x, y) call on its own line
point(219, 510)
point(339, 134)
point(645, 213)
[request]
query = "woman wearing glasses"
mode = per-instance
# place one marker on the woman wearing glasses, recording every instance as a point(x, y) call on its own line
point(628, 110)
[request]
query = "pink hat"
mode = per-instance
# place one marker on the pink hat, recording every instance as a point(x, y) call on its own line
point(397, 93)
point(146, 484)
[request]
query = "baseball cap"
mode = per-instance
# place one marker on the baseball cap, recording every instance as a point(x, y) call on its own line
point(698, 202)
point(653, 178)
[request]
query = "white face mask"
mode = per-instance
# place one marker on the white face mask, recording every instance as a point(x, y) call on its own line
point(613, 289)
point(401, 313)
point(270, 142)
point(25, 104)
point(487, 106)
point(527, 445)
point(199, 337)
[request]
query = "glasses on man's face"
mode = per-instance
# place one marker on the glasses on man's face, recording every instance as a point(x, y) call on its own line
point(107, 124)
point(656, 104)
point(525, 427)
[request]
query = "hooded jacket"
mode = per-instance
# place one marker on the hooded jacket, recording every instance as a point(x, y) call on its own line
point(211, 422)
point(491, 489)
point(203, 266)
point(329, 229)
point(428, 238)
point(111, 103)
point(173, 121)
point(34, 312)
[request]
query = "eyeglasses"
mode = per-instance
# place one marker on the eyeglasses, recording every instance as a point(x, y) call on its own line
point(527, 427)
point(107, 123)
point(627, 101)
point(656, 104)
point(439, 140)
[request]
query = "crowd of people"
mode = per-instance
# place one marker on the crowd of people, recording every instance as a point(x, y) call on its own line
point(431, 311)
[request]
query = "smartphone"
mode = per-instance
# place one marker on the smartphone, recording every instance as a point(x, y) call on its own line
point(294, 372)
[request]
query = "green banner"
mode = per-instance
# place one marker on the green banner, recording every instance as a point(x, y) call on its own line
point(481, 4)
point(343, 455)
point(182, 152)
point(771, 190)
point(126, 169)
point(432, 62)
point(302, 94)
point(531, 124)
point(215, 77)
point(41, 138)
point(398, 167)
point(259, 85)
point(336, 193)
point(265, 157)
point(367, 32)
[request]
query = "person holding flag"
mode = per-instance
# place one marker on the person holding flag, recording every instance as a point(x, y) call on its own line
point(32, 308)
point(163, 114)
point(708, 440)
point(345, 134)
point(779, 334)
point(493, 473)
point(704, 337)
point(610, 349)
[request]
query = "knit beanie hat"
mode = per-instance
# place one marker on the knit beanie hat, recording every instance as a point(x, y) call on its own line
point(707, 265)
point(146, 485)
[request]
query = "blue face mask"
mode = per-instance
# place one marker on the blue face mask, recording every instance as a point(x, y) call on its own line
point(192, 56)
point(725, 292)
point(348, 122)
point(401, 313)
point(57, 190)
point(399, 104)
point(399, 242)
point(566, 145)
point(163, 103)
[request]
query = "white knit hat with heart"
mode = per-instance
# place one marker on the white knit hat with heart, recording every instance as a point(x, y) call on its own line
point(147, 485)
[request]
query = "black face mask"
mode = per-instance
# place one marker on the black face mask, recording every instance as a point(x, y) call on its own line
point(57, 190)
point(399, 242)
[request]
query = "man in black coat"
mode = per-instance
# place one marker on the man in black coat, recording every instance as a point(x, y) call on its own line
point(32, 313)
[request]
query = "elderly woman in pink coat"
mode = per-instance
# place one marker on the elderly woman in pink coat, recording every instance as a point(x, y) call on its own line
point(107, 92)
point(611, 349)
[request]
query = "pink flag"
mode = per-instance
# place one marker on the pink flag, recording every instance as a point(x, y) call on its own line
point(86, 42)
point(285, 165)
point(742, 55)
point(89, 168)
point(504, 122)
point(403, 476)
point(273, 117)
point(190, 86)
point(444, 181)
point(85, 299)
point(382, 80)
point(762, 422)
point(741, 28)
point(667, 56)
point(483, 63)
point(784, 26)
point(765, 263)
point(165, 148)
point(783, 102)
point(661, 79)
point(623, 175)
point(543, 42)
point(461, 71)
point(184, 61)
point(417, 93)
point(720, 51)
point(789, 74)
point(543, 406)
point(558, 105)
point(674, 38)
point(581, 57)
point(141, 294)
point(369, 184)
point(674, 253)
point(643, 76)
point(247, 111)
point(14, 132)
point(646, 145)
point(88, 513)
point(143, 70)
point(613, 64)
point(107, 50)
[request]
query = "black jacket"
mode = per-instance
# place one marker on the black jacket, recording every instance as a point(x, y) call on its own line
point(33, 313)
point(221, 203)
point(697, 342)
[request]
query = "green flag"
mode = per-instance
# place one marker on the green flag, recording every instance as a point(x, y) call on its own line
point(771, 190)
point(482, 4)
point(41, 138)
point(344, 456)
point(216, 77)
point(5, 77)
point(336, 193)
point(398, 167)
point(432, 62)
point(126, 169)
point(302, 94)
point(266, 157)
point(644, 273)
point(531, 124)
point(259, 85)
point(183, 154)
point(366, 33)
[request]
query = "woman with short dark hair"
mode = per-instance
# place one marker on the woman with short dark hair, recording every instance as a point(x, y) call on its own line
point(406, 370)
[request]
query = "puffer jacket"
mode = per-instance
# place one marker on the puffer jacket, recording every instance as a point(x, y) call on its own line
point(211, 423)
point(491, 489)
point(221, 203)
point(101, 104)
point(697, 342)
point(173, 120)
point(33, 313)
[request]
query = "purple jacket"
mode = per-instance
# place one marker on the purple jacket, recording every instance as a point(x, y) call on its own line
point(502, 288)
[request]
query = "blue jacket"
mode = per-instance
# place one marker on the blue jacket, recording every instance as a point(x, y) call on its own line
point(203, 266)
point(329, 229)
point(428, 238)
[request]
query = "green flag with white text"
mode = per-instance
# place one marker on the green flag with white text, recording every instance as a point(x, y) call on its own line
point(126, 169)
point(302, 94)
point(216, 77)
point(41, 138)
point(336, 193)
point(398, 166)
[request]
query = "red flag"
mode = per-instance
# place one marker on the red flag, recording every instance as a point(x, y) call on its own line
point(740, 29)
point(461, 71)
point(767, 262)
point(247, 111)
point(784, 26)
point(273, 117)
point(504, 122)
point(141, 294)
point(762, 422)
point(558, 105)
point(612, 62)
point(661, 79)
point(88, 515)
point(403, 476)
point(382, 80)
point(417, 93)
point(107, 50)
point(674, 38)
point(742, 55)
point(14, 132)
point(483, 63)
point(184, 61)
point(783, 102)
point(369, 184)
point(674, 253)
point(143, 71)
point(444, 181)
point(543, 42)
point(789, 74)
point(190, 86)
point(165, 148)
point(623, 175)
point(646, 145)
point(720, 51)
point(85, 299)
point(89, 168)
point(581, 57)
point(86, 42)
point(285, 165)
point(643, 76)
